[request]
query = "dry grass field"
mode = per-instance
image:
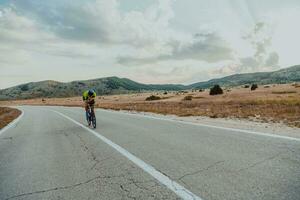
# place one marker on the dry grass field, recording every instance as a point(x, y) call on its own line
point(7, 115)
point(270, 103)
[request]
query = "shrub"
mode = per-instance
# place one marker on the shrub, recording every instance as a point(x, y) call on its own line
point(215, 90)
point(213, 116)
point(183, 91)
point(165, 93)
point(254, 86)
point(188, 98)
point(81, 83)
point(246, 86)
point(201, 90)
point(24, 87)
point(153, 98)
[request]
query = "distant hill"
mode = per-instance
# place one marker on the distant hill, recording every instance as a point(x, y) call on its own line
point(115, 85)
point(287, 75)
point(102, 86)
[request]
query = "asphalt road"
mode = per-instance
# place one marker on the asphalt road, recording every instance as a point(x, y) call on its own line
point(48, 155)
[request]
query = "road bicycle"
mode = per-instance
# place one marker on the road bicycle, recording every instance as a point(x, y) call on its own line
point(90, 117)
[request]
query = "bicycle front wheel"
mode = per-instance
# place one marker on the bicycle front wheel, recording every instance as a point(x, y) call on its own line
point(94, 122)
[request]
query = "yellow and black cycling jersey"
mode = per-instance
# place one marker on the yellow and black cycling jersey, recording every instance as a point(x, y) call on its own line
point(86, 95)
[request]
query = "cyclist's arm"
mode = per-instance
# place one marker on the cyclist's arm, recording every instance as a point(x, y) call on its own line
point(84, 96)
point(93, 96)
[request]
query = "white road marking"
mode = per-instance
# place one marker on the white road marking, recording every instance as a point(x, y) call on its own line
point(209, 126)
point(12, 124)
point(172, 185)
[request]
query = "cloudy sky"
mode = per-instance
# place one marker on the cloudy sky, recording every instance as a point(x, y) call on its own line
point(150, 41)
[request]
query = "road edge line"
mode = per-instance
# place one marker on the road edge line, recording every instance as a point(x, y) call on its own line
point(12, 123)
point(207, 125)
point(163, 179)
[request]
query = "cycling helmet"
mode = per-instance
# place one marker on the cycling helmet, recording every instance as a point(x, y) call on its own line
point(91, 92)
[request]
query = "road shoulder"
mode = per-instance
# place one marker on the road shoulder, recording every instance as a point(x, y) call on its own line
point(7, 115)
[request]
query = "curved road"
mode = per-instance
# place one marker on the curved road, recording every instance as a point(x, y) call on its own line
point(51, 154)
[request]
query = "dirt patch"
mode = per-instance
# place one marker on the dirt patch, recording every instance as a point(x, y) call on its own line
point(275, 103)
point(287, 112)
point(7, 115)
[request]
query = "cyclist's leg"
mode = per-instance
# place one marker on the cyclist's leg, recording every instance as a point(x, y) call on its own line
point(92, 104)
point(86, 106)
point(93, 117)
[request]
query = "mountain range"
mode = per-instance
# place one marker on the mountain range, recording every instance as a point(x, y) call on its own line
point(115, 85)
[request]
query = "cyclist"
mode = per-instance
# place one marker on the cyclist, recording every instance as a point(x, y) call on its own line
point(89, 99)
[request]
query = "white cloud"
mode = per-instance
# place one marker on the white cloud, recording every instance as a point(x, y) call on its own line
point(263, 58)
point(207, 47)
point(164, 41)
point(173, 71)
